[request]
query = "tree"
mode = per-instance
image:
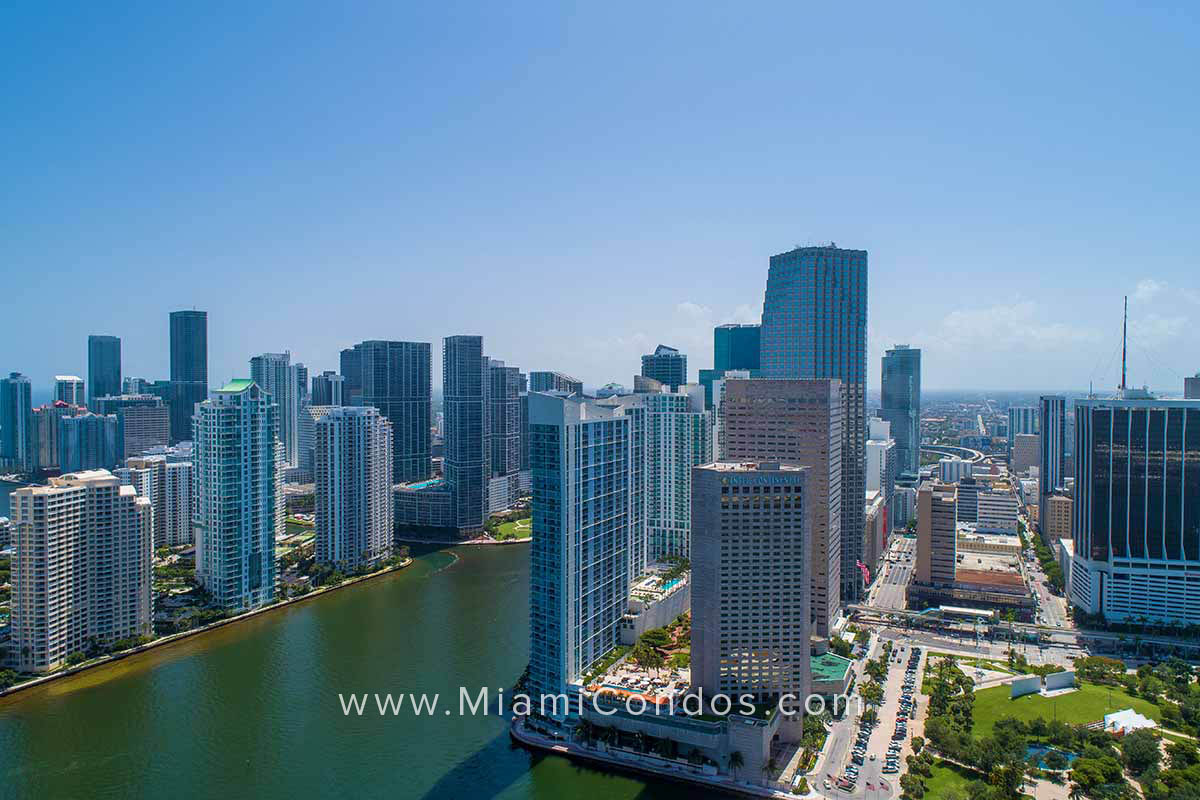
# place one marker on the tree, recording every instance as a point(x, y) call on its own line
point(736, 761)
point(918, 743)
point(1140, 751)
point(1183, 755)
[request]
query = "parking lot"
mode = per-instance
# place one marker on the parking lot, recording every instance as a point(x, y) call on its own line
point(878, 750)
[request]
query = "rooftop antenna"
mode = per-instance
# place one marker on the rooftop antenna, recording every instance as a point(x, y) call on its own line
point(1124, 339)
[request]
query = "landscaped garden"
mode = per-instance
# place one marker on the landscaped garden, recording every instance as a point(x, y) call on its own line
point(1088, 703)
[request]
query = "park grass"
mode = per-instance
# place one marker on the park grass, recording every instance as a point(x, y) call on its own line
point(947, 776)
point(1087, 704)
point(517, 529)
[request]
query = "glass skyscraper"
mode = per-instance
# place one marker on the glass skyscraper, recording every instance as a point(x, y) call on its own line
point(394, 378)
point(900, 403)
point(189, 346)
point(666, 365)
point(104, 368)
point(736, 347)
point(581, 457)
point(16, 423)
point(465, 463)
point(814, 325)
point(1137, 509)
point(1052, 464)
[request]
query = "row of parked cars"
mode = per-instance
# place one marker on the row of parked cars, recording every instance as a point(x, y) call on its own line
point(908, 705)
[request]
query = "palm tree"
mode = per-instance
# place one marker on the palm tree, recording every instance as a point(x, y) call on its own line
point(736, 761)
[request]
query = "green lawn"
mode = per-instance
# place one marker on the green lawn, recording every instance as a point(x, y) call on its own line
point(518, 529)
point(1087, 704)
point(948, 776)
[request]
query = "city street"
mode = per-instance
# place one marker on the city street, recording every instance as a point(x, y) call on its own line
point(888, 590)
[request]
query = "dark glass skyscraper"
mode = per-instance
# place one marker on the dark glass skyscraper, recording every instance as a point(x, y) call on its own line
point(504, 418)
point(814, 325)
point(666, 365)
point(465, 463)
point(900, 403)
point(394, 378)
point(104, 368)
point(189, 346)
point(1137, 509)
point(350, 366)
point(1053, 462)
point(16, 422)
point(736, 347)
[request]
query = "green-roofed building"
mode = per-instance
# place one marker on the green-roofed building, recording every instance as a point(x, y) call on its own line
point(238, 465)
point(831, 675)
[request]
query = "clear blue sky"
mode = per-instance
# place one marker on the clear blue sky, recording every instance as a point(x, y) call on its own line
point(578, 182)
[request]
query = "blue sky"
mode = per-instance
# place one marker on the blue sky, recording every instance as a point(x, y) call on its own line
point(578, 182)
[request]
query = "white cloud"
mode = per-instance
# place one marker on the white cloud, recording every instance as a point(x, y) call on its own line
point(1147, 289)
point(1022, 324)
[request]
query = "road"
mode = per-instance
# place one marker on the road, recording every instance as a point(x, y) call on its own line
point(888, 591)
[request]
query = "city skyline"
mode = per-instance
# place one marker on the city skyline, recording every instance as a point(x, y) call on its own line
point(933, 182)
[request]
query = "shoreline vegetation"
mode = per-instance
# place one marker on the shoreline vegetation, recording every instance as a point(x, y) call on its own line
point(111, 658)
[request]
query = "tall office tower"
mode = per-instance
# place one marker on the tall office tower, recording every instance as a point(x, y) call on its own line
point(88, 442)
point(900, 403)
point(679, 436)
point(306, 436)
point(354, 506)
point(16, 422)
point(735, 347)
point(394, 378)
point(814, 325)
point(802, 422)
point(503, 434)
point(189, 346)
point(541, 381)
point(750, 582)
point(275, 375)
point(168, 487)
point(666, 365)
point(69, 389)
point(524, 406)
point(581, 457)
point(1026, 453)
point(1137, 509)
point(131, 385)
point(720, 450)
point(181, 398)
point(1191, 387)
point(328, 389)
point(350, 368)
point(882, 462)
point(1021, 419)
point(143, 422)
point(1052, 467)
point(465, 464)
point(82, 572)
point(937, 535)
point(44, 431)
point(301, 373)
point(104, 367)
point(238, 465)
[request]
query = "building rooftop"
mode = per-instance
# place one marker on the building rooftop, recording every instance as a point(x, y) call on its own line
point(988, 577)
point(829, 667)
point(237, 385)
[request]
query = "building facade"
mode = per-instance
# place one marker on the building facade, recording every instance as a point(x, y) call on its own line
point(679, 433)
point(16, 423)
point(277, 376)
point(900, 403)
point(354, 502)
point(937, 535)
point(189, 346)
point(143, 422)
point(1052, 463)
point(88, 442)
point(394, 377)
point(666, 365)
point(1021, 419)
point(543, 381)
point(801, 422)
point(503, 434)
point(81, 576)
point(1026, 453)
point(238, 465)
point(1056, 521)
point(750, 582)
point(466, 462)
point(1137, 509)
point(328, 389)
point(104, 367)
point(168, 487)
point(814, 326)
point(69, 389)
point(581, 456)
